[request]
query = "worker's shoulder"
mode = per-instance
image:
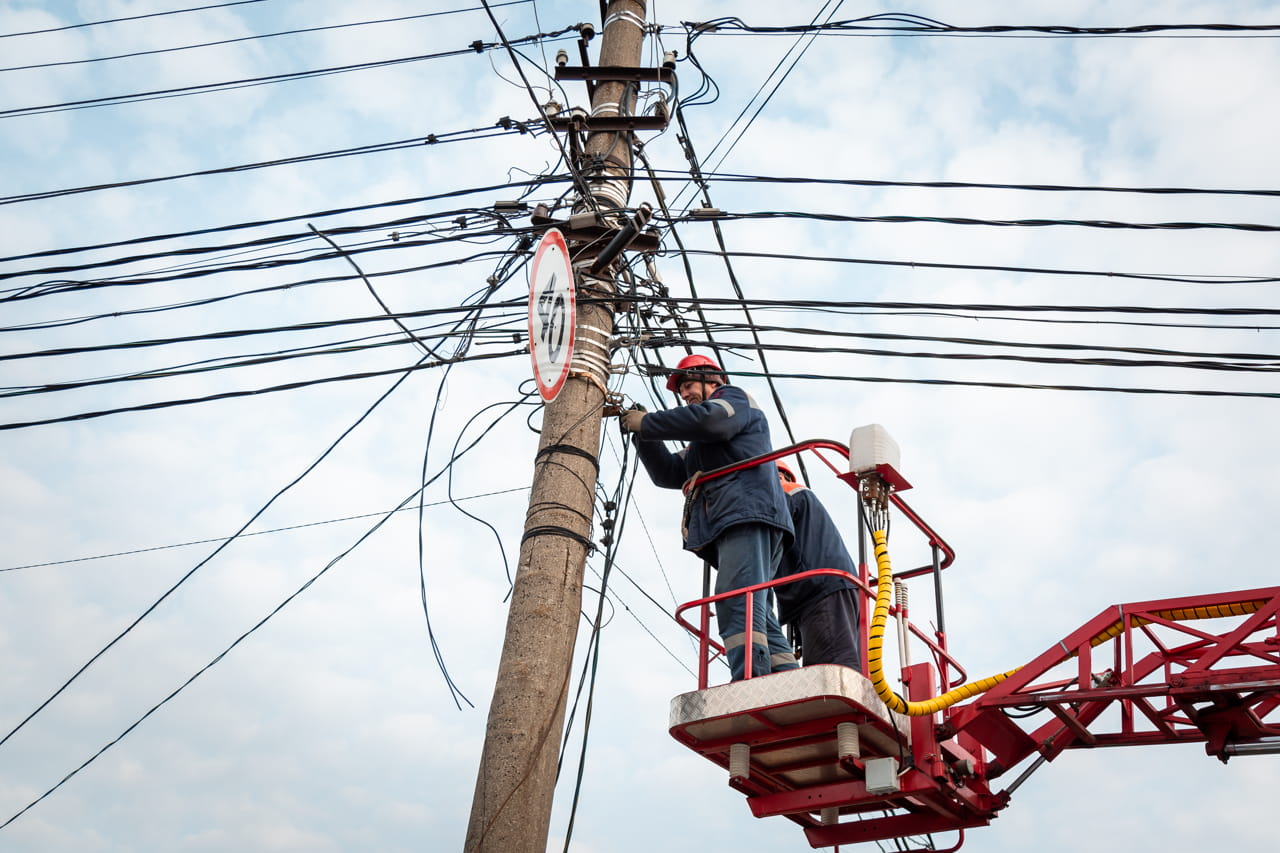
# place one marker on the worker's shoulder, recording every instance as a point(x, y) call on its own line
point(733, 392)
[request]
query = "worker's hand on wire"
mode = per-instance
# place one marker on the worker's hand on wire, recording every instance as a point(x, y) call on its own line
point(630, 420)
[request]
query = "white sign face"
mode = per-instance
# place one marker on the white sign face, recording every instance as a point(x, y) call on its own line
point(553, 314)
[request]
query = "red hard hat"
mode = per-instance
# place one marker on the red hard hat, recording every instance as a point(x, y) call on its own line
point(695, 364)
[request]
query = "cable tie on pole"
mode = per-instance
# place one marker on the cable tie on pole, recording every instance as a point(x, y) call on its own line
point(556, 530)
point(570, 450)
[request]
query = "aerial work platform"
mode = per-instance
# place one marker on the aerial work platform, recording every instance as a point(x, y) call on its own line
point(847, 757)
point(789, 722)
point(819, 747)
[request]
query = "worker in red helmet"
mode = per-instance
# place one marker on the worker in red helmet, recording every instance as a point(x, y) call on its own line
point(824, 608)
point(738, 522)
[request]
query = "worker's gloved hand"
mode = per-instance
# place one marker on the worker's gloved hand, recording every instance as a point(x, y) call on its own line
point(630, 420)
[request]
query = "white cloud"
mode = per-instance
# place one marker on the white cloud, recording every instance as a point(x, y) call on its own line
point(331, 728)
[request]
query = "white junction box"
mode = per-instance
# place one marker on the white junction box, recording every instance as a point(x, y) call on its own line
point(882, 775)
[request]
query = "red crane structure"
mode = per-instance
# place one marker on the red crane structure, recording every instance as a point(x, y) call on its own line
point(841, 754)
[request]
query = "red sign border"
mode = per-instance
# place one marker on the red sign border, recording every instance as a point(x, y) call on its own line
point(553, 237)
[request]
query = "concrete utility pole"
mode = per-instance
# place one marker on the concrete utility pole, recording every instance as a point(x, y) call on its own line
point(511, 810)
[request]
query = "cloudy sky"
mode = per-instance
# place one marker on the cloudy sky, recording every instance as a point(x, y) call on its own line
point(329, 724)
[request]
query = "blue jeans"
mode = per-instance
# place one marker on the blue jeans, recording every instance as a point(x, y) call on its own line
point(748, 554)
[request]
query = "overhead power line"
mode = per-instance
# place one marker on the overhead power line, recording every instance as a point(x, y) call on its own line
point(283, 604)
point(247, 82)
point(1273, 359)
point(1187, 279)
point(1184, 392)
point(301, 217)
point(131, 18)
point(229, 395)
point(900, 24)
point(256, 37)
point(697, 215)
point(502, 127)
point(149, 549)
point(1272, 364)
point(968, 307)
point(867, 182)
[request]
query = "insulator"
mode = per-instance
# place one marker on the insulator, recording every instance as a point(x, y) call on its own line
point(847, 740)
point(739, 761)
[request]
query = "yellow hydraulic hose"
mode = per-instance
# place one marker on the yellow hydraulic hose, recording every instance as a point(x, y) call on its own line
point(1184, 614)
point(920, 709)
point(876, 640)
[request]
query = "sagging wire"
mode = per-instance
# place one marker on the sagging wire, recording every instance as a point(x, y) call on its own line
point(250, 82)
point(223, 545)
point(626, 481)
point(455, 691)
point(903, 24)
point(482, 296)
point(385, 307)
point(388, 515)
point(288, 528)
point(422, 364)
point(220, 42)
point(579, 182)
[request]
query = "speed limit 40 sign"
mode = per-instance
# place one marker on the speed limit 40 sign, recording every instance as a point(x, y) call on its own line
point(552, 314)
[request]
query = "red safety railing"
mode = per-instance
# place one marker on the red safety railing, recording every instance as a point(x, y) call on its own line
point(950, 673)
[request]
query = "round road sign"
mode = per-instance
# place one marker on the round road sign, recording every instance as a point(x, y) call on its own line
point(552, 314)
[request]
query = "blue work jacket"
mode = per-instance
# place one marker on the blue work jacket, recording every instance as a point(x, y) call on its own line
point(817, 545)
point(725, 428)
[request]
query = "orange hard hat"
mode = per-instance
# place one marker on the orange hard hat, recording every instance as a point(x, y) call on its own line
point(795, 483)
point(695, 364)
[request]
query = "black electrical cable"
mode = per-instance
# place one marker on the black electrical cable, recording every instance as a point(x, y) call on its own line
point(593, 645)
point(995, 342)
point(227, 334)
point(302, 217)
point(1184, 392)
point(474, 134)
point(247, 82)
point(983, 307)
point(385, 308)
point(234, 361)
point(733, 177)
point(470, 320)
point(405, 375)
point(785, 256)
point(694, 161)
point(900, 24)
point(812, 36)
point(579, 182)
point(257, 37)
point(455, 691)
point(987, 313)
point(58, 287)
point(131, 18)
point(290, 386)
point(287, 529)
point(758, 346)
point(496, 282)
point(233, 645)
point(728, 216)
